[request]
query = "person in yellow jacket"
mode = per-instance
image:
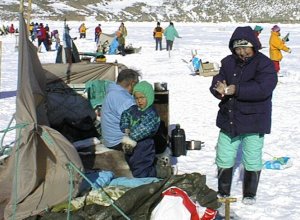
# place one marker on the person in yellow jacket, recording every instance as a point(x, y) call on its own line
point(82, 31)
point(157, 35)
point(276, 45)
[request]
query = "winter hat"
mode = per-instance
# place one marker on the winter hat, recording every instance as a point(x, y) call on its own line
point(158, 23)
point(275, 28)
point(258, 28)
point(241, 43)
point(147, 89)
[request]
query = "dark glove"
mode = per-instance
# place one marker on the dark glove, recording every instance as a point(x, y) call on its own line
point(128, 144)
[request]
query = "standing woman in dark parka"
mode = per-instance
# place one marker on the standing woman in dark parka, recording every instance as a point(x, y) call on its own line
point(244, 86)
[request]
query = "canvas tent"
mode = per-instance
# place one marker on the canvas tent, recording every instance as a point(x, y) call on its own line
point(36, 176)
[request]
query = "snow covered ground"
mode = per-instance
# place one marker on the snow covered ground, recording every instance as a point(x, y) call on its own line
point(193, 107)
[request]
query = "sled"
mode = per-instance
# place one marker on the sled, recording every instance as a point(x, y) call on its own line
point(208, 69)
point(202, 68)
point(130, 49)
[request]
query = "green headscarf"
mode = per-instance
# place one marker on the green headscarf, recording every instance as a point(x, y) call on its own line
point(147, 89)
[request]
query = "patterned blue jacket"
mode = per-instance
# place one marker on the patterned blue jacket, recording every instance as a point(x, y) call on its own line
point(142, 124)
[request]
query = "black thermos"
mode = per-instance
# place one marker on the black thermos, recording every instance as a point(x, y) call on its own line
point(178, 141)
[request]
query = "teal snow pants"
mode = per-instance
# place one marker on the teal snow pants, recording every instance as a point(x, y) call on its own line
point(252, 145)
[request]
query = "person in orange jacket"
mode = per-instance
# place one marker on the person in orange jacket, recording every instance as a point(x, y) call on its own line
point(82, 31)
point(276, 45)
point(158, 34)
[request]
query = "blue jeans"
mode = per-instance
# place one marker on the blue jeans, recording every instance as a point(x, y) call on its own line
point(158, 43)
point(252, 145)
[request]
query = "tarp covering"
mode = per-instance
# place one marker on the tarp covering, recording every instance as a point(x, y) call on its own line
point(36, 176)
point(104, 42)
point(138, 202)
point(81, 72)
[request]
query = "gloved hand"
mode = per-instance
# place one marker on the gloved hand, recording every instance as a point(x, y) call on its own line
point(128, 144)
point(290, 50)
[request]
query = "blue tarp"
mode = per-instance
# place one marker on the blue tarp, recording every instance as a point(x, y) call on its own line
point(113, 46)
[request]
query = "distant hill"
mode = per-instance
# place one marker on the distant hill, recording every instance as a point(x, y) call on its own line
point(254, 11)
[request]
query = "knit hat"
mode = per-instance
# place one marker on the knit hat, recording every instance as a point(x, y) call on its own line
point(147, 89)
point(258, 28)
point(241, 43)
point(275, 28)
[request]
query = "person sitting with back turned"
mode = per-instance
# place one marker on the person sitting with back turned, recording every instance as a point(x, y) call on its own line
point(117, 99)
point(139, 124)
point(244, 85)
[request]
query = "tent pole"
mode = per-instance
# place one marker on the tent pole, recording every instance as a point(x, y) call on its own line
point(28, 14)
point(21, 6)
point(0, 61)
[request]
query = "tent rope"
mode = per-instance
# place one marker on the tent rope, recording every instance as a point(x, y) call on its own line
point(70, 192)
point(72, 167)
point(8, 128)
point(16, 169)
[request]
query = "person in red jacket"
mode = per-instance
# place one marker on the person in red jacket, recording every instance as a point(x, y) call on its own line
point(11, 29)
point(98, 32)
point(42, 38)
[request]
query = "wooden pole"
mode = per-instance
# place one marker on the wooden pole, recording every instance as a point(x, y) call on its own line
point(21, 6)
point(0, 61)
point(28, 14)
point(227, 202)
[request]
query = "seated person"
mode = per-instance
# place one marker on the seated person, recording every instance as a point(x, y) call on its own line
point(117, 99)
point(140, 123)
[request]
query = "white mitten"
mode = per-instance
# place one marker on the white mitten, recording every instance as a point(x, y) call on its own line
point(128, 144)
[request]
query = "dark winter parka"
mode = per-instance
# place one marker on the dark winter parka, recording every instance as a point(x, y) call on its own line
point(249, 109)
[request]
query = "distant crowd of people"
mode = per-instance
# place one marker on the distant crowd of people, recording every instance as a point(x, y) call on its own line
point(4, 30)
point(45, 37)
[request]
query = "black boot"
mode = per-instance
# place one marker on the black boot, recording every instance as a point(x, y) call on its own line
point(224, 181)
point(250, 184)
